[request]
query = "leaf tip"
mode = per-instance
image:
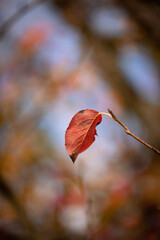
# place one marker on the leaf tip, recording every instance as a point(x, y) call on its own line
point(73, 157)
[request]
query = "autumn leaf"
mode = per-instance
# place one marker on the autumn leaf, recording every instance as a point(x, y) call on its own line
point(81, 132)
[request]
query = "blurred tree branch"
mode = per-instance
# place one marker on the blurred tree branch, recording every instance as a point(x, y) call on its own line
point(5, 27)
point(5, 189)
point(8, 193)
point(145, 15)
point(6, 235)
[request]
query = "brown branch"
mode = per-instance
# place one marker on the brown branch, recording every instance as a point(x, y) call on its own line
point(5, 27)
point(132, 134)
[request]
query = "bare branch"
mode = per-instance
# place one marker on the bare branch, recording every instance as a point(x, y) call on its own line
point(132, 134)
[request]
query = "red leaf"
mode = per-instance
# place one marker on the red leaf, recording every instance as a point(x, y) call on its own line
point(81, 132)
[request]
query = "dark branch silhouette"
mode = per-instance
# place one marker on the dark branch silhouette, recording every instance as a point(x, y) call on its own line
point(5, 27)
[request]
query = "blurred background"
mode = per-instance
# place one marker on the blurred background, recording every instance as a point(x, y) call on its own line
point(58, 57)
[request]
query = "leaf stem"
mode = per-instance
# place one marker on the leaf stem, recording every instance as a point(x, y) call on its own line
point(107, 114)
point(129, 132)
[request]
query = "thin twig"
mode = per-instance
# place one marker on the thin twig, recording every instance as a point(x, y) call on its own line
point(132, 134)
point(5, 27)
point(129, 132)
